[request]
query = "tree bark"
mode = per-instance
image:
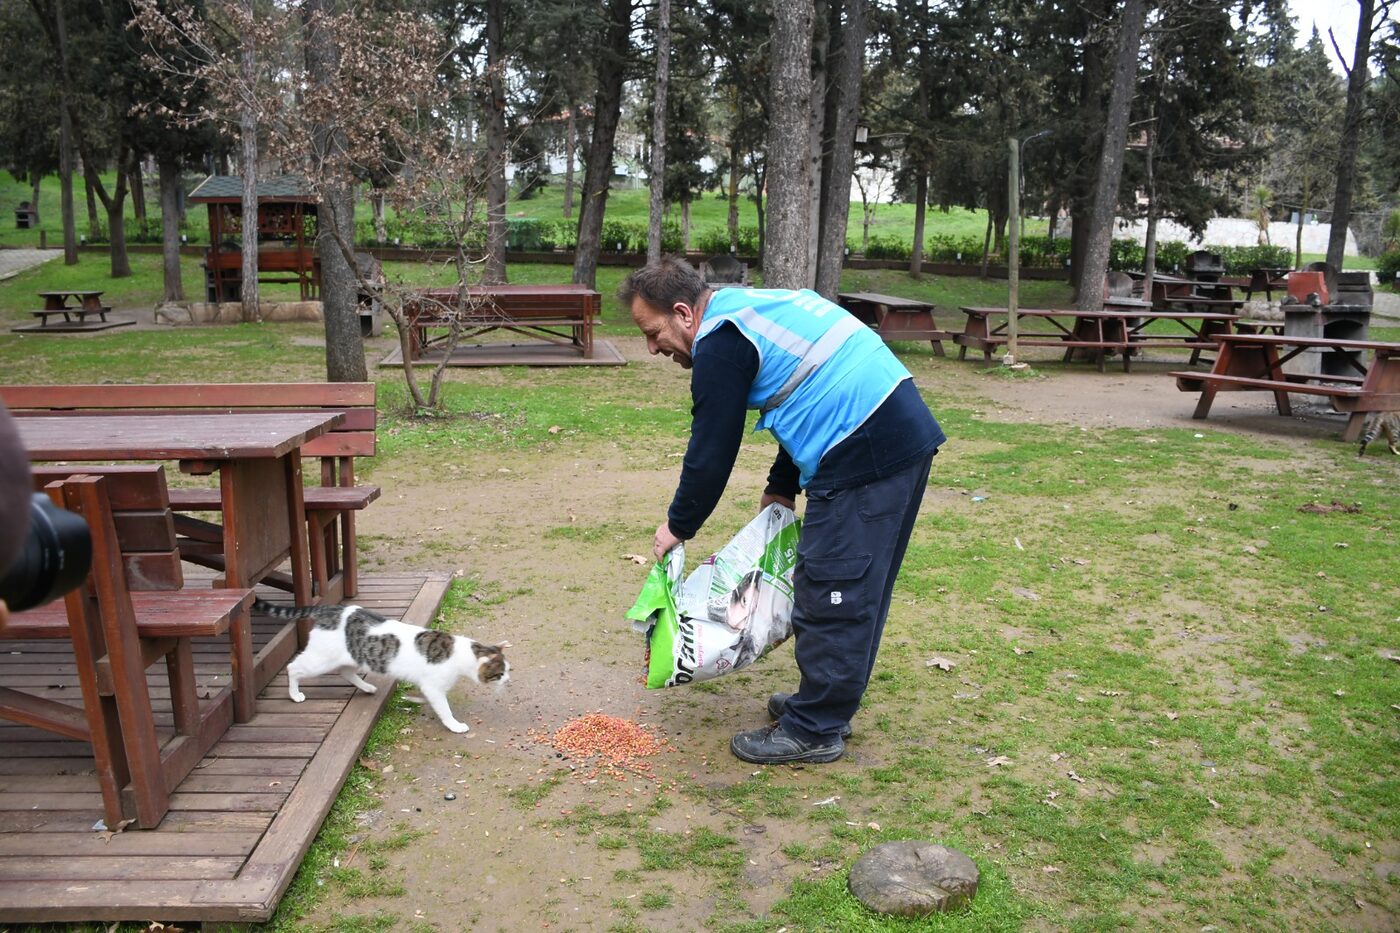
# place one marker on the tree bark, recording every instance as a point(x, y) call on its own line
point(916, 253)
point(819, 123)
point(65, 143)
point(612, 67)
point(138, 190)
point(248, 140)
point(570, 143)
point(170, 228)
point(335, 222)
point(34, 187)
point(836, 200)
point(789, 151)
point(116, 223)
point(376, 204)
point(1111, 159)
point(94, 225)
point(494, 269)
point(733, 220)
point(658, 129)
point(1351, 138)
point(1149, 245)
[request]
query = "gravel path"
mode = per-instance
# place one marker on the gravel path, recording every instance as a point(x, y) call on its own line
point(17, 260)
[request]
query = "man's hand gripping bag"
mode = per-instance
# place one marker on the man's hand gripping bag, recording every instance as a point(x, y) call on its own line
point(732, 610)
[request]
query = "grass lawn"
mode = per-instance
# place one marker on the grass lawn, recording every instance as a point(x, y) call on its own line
point(1173, 695)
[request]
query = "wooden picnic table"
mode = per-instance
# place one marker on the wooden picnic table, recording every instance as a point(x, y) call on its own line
point(256, 454)
point(56, 304)
point(1266, 280)
point(559, 314)
point(896, 318)
point(1094, 332)
point(1255, 362)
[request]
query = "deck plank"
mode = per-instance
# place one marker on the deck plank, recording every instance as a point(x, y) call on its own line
point(239, 824)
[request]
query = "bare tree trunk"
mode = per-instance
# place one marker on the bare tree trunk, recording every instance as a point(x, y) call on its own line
point(494, 270)
point(248, 140)
point(818, 122)
point(1149, 246)
point(658, 129)
point(335, 227)
point(94, 225)
point(138, 190)
point(34, 183)
point(611, 72)
point(376, 205)
point(116, 224)
point(836, 201)
point(987, 246)
point(65, 139)
point(1111, 159)
point(1298, 238)
point(789, 152)
point(570, 144)
point(170, 228)
point(733, 222)
point(685, 226)
point(1351, 137)
point(916, 254)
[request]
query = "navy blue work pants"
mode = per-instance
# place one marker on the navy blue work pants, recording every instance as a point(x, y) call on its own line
point(852, 543)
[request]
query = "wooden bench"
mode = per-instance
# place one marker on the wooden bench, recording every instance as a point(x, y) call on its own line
point(1099, 332)
point(130, 615)
point(896, 318)
point(1253, 362)
point(330, 507)
point(75, 315)
point(559, 314)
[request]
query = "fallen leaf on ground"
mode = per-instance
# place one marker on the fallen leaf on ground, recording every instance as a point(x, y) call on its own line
point(1173, 716)
point(827, 802)
point(1074, 777)
point(943, 664)
point(1050, 870)
point(1213, 804)
point(1019, 650)
point(1335, 506)
point(998, 761)
point(1024, 593)
point(636, 558)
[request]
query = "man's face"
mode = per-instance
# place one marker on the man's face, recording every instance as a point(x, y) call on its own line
point(668, 334)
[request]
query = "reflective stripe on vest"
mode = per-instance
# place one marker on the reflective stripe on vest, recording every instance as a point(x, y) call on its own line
point(816, 354)
point(810, 353)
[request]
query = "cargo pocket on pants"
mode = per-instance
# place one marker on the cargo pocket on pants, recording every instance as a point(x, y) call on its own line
point(837, 586)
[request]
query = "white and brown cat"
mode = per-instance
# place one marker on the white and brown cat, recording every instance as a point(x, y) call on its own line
point(353, 640)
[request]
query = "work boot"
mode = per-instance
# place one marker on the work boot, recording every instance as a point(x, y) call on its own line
point(777, 705)
point(772, 745)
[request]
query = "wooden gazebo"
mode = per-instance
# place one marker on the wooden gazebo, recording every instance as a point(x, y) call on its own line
point(286, 234)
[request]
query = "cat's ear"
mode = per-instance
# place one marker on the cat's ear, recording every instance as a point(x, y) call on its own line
point(503, 644)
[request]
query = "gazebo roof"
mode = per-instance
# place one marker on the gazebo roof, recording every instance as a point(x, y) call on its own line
point(272, 188)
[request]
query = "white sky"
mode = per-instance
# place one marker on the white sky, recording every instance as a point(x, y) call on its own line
point(1338, 15)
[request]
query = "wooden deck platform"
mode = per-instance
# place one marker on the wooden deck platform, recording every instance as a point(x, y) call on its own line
point(239, 825)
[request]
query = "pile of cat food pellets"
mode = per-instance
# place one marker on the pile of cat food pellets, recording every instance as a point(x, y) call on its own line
point(617, 743)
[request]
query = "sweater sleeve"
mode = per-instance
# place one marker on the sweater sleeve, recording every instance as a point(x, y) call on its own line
point(725, 366)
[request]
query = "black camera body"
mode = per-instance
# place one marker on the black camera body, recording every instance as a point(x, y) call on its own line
point(55, 558)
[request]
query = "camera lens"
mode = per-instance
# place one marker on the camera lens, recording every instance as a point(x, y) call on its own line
point(55, 557)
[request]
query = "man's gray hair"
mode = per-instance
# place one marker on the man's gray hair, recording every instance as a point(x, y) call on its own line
point(662, 284)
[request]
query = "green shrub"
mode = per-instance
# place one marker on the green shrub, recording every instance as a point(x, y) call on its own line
point(712, 241)
point(1240, 260)
point(619, 236)
point(1388, 269)
point(525, 233)
point(944, 248)
point(887, 247)
point(1125, 255)
point(1043, 252)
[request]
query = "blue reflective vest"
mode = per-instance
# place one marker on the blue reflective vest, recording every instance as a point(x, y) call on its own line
point(821, 372)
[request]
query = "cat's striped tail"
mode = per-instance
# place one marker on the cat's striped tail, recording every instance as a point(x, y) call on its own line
point(283, 612)
point(1369, 431)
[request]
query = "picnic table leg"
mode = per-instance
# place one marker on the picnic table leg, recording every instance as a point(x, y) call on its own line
point(1355, 423)
point(1223, 362)
point(1275, 371)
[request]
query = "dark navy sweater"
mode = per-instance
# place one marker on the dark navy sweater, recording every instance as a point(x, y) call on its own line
point(896, 434)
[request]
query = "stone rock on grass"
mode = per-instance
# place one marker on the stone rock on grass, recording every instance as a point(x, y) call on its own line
point(913, 879)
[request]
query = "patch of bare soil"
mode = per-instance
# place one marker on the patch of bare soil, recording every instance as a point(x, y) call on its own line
point(546, 538)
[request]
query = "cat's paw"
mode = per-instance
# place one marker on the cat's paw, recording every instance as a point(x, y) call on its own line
point(368, 687)
point(458, 727)
point(297, 696)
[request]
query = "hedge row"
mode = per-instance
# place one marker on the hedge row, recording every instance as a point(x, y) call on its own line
point(530, 234)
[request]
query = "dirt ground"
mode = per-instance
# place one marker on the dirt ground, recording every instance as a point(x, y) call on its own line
point(547, 541)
